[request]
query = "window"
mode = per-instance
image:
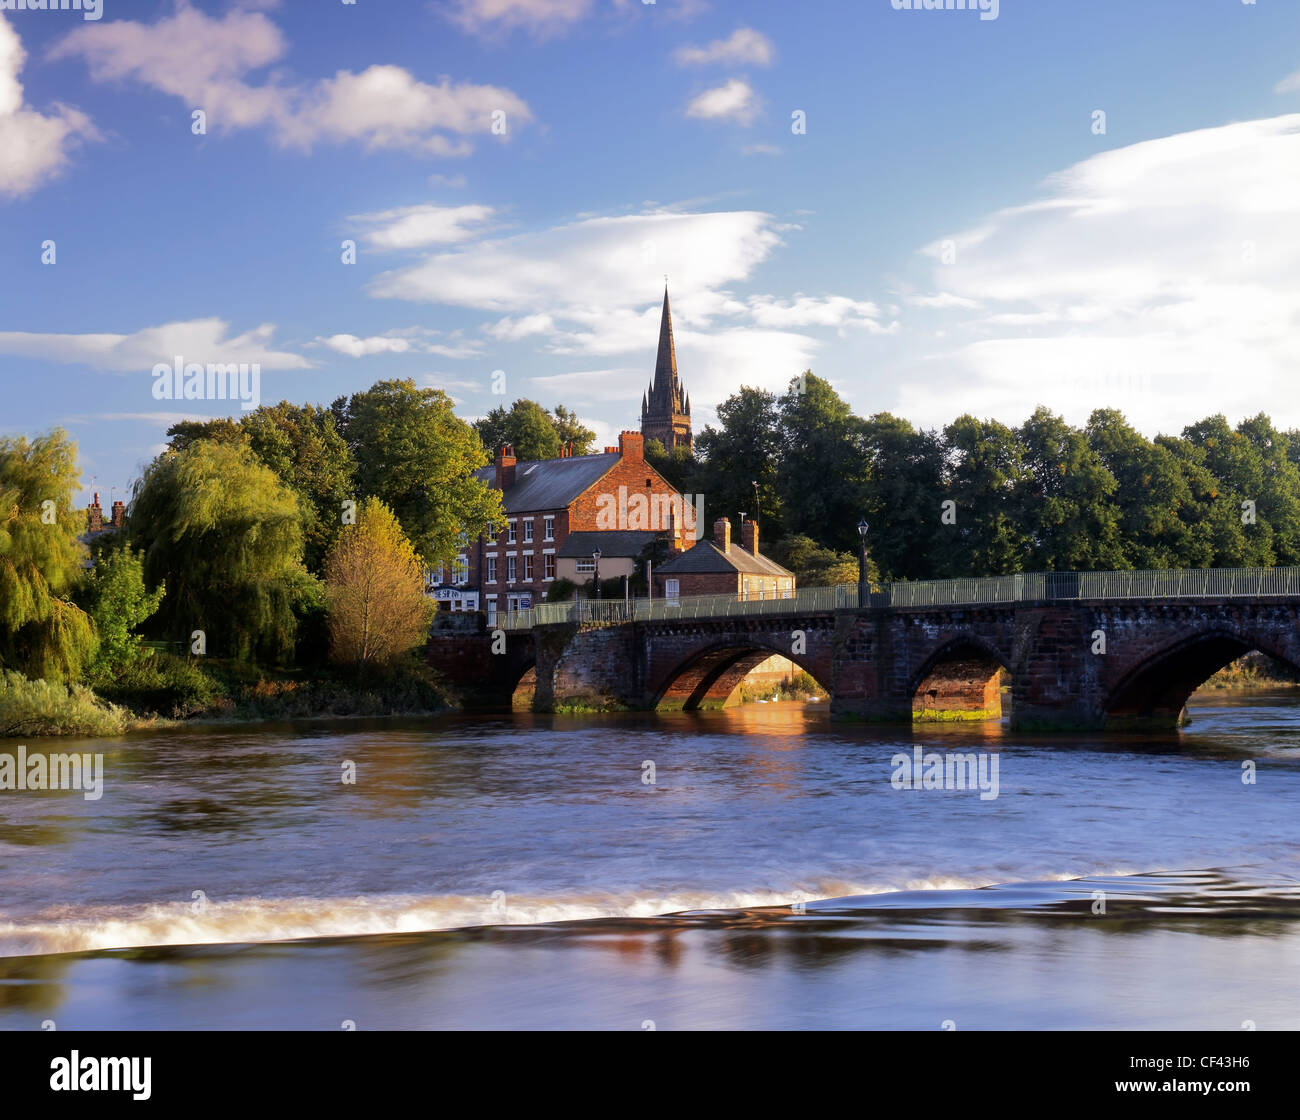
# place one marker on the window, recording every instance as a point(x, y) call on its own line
point(587, 565)
point(461, 572)
point(672, 588)
point(528, 530)
point(548, 528)
point(491, 569)
point(528, 569)
point(435, 575)
point(549, 565)
point(510, 569)
point(510, 533)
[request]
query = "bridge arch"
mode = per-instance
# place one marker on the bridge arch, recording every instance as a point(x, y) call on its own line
point(959, 680)
point(1154, 692)
point(708, 676)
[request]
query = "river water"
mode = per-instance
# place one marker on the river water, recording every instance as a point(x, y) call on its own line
point(524, 871)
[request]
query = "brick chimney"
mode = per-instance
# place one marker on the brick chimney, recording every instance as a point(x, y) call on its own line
point(610, 450)
point(722, 535)
point(119, 514)
point(749, 535)
point(631, 445)
point(506, 467)
point(675, 542)
point(95, 517)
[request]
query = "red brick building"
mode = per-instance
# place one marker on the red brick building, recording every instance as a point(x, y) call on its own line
point(719, 567)
point(545, 501)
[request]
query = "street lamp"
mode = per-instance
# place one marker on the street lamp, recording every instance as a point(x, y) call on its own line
point(596, 557)
point(863, 590)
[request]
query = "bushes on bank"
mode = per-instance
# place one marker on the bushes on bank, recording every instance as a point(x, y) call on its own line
point(30, 708)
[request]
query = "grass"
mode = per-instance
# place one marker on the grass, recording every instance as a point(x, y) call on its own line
point(36, 708)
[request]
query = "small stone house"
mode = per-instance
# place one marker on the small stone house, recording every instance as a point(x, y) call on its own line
point(719, 567)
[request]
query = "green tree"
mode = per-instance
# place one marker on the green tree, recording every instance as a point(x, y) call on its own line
point(1278, 503)
point(744, 449)
point(903, 491)
point(816, 566)
point(225, 537)
point(302, 445)
point(985, 480)
point(419, 458)
point(43, 634)
point(1151, 492)
point(119, 603)
point(378, 610)
point(1212, 515)
point(573, 431)
point(527, 426)
point(1068, 508)
point(679, 466)
point(822, 481)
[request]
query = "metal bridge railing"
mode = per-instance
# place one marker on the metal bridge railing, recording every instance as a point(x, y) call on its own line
point(991, 590)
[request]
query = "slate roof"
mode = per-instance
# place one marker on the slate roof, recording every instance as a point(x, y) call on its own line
point(549, 483)
point(612, 543)
point(705, 556)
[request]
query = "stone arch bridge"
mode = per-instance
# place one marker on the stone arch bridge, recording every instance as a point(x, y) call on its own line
point(1079, 651)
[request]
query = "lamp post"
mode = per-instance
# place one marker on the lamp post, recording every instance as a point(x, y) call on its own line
point(596, 557)
point(863, 590)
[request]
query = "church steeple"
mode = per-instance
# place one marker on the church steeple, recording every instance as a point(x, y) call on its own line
point(665, 409)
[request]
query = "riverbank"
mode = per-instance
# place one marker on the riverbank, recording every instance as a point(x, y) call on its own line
point(170, 690)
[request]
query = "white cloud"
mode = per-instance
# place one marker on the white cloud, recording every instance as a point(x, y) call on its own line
point(1289, 84)
point(414, 227)
point(745, 45)
point(810, 311)
point(587, 269)
point(735, 101)
point(760, 150)
point(205, 61)
point(393, 343)
point(194, 340)
point(1161, 278)
point(541, 17)
point(511, 330)
point(35, 146)
point(589, 289)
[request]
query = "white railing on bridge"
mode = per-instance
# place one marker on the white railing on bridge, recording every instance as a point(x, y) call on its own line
point(1022, 587)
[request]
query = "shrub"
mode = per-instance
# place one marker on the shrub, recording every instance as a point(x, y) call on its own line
point(560, 591)
point(31, 708)
point(165, 685)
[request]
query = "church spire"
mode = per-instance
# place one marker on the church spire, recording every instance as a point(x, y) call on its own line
point(665, 387)
point(665, 409)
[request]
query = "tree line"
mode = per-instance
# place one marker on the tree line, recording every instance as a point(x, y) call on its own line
point(978, 497)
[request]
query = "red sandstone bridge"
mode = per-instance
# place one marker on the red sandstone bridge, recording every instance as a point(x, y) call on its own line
point(1082, 650)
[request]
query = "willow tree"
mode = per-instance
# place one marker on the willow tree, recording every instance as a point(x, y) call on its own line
point(42, 633)
point(225, 536)
point(374, 586)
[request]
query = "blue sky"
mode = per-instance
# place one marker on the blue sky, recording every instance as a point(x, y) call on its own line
point(952, 232)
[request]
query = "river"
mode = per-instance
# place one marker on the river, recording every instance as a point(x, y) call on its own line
point(763, 871)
